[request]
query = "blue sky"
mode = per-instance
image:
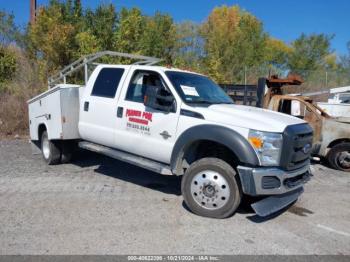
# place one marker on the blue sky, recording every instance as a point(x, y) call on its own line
point(283, 19)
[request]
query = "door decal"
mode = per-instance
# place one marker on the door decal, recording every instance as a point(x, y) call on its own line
point(138, 120)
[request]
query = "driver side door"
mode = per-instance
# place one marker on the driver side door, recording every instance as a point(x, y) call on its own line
point(142, 130)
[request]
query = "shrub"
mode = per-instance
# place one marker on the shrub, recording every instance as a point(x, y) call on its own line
point(13, 115)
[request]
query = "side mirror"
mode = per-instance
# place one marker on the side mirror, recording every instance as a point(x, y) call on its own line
point(158, 98)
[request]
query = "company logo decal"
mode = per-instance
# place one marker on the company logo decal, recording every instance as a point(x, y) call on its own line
point(138, 120)
point(139, 117)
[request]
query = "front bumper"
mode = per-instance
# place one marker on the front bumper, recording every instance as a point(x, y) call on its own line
point(272, 181)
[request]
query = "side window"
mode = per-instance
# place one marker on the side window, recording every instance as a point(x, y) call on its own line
point(295, 108)
point(107, 82)
point(285, 107)
point(139, 82)
point(344, 98)
point(298, 109)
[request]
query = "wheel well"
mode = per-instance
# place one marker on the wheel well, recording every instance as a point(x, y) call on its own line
point(206, 148)
point(338, 141)
point(41, 129)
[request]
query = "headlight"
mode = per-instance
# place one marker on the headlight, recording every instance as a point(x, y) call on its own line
point(267, 146)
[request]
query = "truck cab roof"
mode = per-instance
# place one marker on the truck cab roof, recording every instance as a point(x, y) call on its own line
point(149, 67)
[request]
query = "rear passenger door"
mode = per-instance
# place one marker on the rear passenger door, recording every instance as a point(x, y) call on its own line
point(98, 105)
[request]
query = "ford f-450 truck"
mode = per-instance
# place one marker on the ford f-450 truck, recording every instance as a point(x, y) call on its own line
point(176, 122)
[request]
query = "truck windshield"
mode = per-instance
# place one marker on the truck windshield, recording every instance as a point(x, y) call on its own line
point(197, 89)
point(344, 98)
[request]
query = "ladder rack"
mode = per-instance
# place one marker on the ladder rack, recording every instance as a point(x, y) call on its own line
point(84, 61)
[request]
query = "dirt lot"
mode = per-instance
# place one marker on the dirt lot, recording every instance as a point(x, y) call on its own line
point(97, 205)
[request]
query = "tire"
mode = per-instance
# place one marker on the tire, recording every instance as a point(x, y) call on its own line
point(210, 188)
point(51, 152)
point(338, 157)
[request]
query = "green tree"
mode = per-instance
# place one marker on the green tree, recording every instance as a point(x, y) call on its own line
point(277, 53)
point(72, 13)
point(344, 68)
point(130, 31)
point(310, 53)
point(8, 65)
point(188, 51)
point(51, 37)
point(102, 24)
point(233, 39)
point(77, 9)
point(159, 37)
point(87, 44)
point(344, 63)
point(9, 34)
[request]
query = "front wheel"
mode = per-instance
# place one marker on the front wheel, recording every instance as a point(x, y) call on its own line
point(209, 188)
point(339, 157)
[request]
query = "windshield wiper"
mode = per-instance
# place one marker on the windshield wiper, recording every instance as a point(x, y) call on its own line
point(221, 102)
point(200, 101)
point(203, 101)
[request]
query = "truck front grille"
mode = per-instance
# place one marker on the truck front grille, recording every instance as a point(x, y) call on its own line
point(297, 180)
point(297, 145)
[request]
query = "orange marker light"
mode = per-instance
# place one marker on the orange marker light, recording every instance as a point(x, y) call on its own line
point(256, 142)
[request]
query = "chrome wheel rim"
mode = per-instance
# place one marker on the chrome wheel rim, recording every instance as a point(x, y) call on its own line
point(344, 159)
point(210, 190)
point(46, 148)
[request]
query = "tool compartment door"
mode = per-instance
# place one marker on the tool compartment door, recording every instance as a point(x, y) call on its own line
point(46, 109)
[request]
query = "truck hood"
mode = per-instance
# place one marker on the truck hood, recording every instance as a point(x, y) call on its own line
point(248, 117)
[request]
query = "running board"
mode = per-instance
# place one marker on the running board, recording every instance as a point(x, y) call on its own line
point(127, 157)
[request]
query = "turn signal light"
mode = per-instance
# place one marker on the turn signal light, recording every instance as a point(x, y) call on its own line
point(256, 142)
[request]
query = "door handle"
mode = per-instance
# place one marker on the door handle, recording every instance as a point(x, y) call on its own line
point(86, 106)
point(165, 134)
point(120, 112)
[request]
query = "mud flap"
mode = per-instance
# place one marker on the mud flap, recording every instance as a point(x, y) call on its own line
point(272, 204)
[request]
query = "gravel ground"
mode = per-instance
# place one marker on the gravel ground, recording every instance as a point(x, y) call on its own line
point(98, 205)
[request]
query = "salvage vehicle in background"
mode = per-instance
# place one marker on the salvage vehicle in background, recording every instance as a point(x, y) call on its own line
point(175, 122)
point(331, 134)
point(338, 104)
point(340, 98)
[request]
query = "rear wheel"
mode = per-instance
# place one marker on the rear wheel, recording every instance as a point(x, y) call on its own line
point(339, 157)
point(50, 151)
point(210, 188)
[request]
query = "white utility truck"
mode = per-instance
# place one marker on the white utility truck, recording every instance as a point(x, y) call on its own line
point(176, 122)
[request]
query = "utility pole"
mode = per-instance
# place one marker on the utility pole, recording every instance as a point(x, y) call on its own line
point(32, 11)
